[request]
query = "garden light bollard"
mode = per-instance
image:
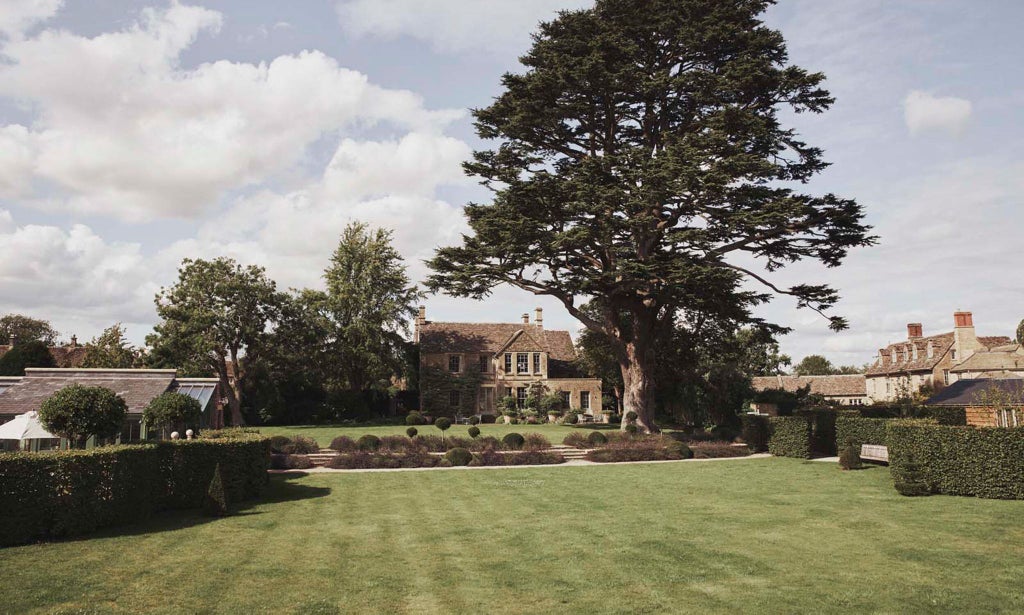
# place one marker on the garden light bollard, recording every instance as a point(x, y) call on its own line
point(174, 435)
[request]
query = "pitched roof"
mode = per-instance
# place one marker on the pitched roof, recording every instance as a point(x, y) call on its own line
point(1002, 358)
point(967, 392)
point(437, 337)
point(63, 356)
point(905, 361)
point(137, 387)
point(845, 385)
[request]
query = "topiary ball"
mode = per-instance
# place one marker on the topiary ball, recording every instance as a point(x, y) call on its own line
point(474, 431)
point(369, 442)
point(444, 463)
point(849, 458)
point(684, 452)
point(414, 418)
point(443, 423)
point(570, 419)
point(459, 456)
point(596, 438)
point(631, 416)
point(277, 443)
point(474, 420)
point(513, 441)
point(411, 432)
point(631, 429)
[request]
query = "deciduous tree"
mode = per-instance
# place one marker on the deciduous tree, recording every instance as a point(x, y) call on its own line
point(26, 329)
point(111, 350)
point(216, 318)
point(77, 412)
point(642, 161)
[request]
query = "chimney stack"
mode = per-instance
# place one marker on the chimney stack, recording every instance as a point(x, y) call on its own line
point(74, 341)
point(526, 319)
point(421, 319)
point(965, 340)
point(963, 319)
point(13, 341)
point(538, 318)
point(914, 329)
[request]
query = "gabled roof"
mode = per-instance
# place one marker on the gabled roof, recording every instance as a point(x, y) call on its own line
point(905, 361)
point(968, 392)
point(137, 387)
point(63, 356)
point(1002, 358)
point(843, 385)
point(439, 337)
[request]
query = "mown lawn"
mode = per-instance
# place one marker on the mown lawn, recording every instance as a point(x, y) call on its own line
point(758, 536)
point(323, 434)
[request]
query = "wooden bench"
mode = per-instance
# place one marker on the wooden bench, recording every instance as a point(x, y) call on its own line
point(874, 452)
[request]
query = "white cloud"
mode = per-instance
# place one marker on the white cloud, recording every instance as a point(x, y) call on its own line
point(924, 113)
point(454, 26)
point(16, 16)
point(157, 140)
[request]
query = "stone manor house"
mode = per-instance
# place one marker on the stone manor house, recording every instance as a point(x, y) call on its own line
point(509, 358)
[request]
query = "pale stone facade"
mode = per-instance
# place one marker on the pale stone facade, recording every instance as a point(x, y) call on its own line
point(510, 359)
point(905, 367)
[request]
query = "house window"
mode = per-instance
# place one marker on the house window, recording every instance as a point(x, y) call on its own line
point(945, 376)
point(454, 363)
point(454, 399)
point(508, 362)
point(892, 355)
point(584, 400)
point(523, 363)
point(521, 397)
point(485, 363)
point(508, 391)
point(536, 362)
point(952, 354)
point(565, 398)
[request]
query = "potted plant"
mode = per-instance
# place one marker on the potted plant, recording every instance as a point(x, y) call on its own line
point(509, 408)
point(551, 404)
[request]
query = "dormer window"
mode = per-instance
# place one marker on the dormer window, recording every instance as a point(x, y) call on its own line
point(931, 350)
point(892, 356)
point(915, 351)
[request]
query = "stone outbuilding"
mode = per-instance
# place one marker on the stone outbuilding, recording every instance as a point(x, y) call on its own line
point(988, 402)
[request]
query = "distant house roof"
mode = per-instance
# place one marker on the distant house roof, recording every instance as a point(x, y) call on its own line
point(844, 385)
point(968, 392)
point(1002, 358)
point(905, 361)
point(63, 356)
point(137, 387)
point(437, 337)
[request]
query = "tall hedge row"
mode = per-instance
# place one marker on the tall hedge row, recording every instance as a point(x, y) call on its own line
point(790, 436)
point(67, 493)
point(858, 431)
point(986, 462)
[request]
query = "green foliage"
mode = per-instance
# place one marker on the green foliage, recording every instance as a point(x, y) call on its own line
point(473, 431)
point(111, 350)
point(215, 314)
point(69, 493)
point(570, 418)
point(855, 431)
point(343, 443)
point(77, 412)
point(277, 443)
point(301, 445)
point(849, 457)
point(172, 410)
point(596, 438)
point(790, 436)
point(474, 420)
point(415, 418)
point(368, 442)
point(30, 354)
point(513, 441)
point(508, 405)
point(443, 423)
point(697, 124)
point(630, 417)
point(956, 460)
point(459, 456)
point(1020, 333)
point(437, 384)
point(755, 431)
point(631, 429)
point(823, 431)
point(26, 329)
point(552, 403)
point(215, 504)
point(411, 432)
point(643, 448)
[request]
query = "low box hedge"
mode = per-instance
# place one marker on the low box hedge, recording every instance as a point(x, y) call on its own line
point(858, 431)
point(68, 493)
point(986, 462)
point(790, 436)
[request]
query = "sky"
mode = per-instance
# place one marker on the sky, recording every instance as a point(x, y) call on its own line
point(136, 134)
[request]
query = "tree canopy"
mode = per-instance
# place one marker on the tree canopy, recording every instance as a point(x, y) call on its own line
point(111, 350)
point(26, 329)
point(172, 410)
point(216, 318)
point(30, 354)
point(817, 365)
point(77, 412)
point(641, 161)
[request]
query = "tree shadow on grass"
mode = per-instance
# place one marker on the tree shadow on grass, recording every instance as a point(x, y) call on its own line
point(282, 488)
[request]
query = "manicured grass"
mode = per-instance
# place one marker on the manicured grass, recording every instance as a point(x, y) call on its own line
point(323, 434)
point(760, 536)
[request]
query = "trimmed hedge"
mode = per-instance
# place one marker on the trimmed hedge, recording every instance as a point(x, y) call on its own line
point(755, 431)
point(790, 436)
point(857, 431)
point(986, 462)
point(68, 493)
